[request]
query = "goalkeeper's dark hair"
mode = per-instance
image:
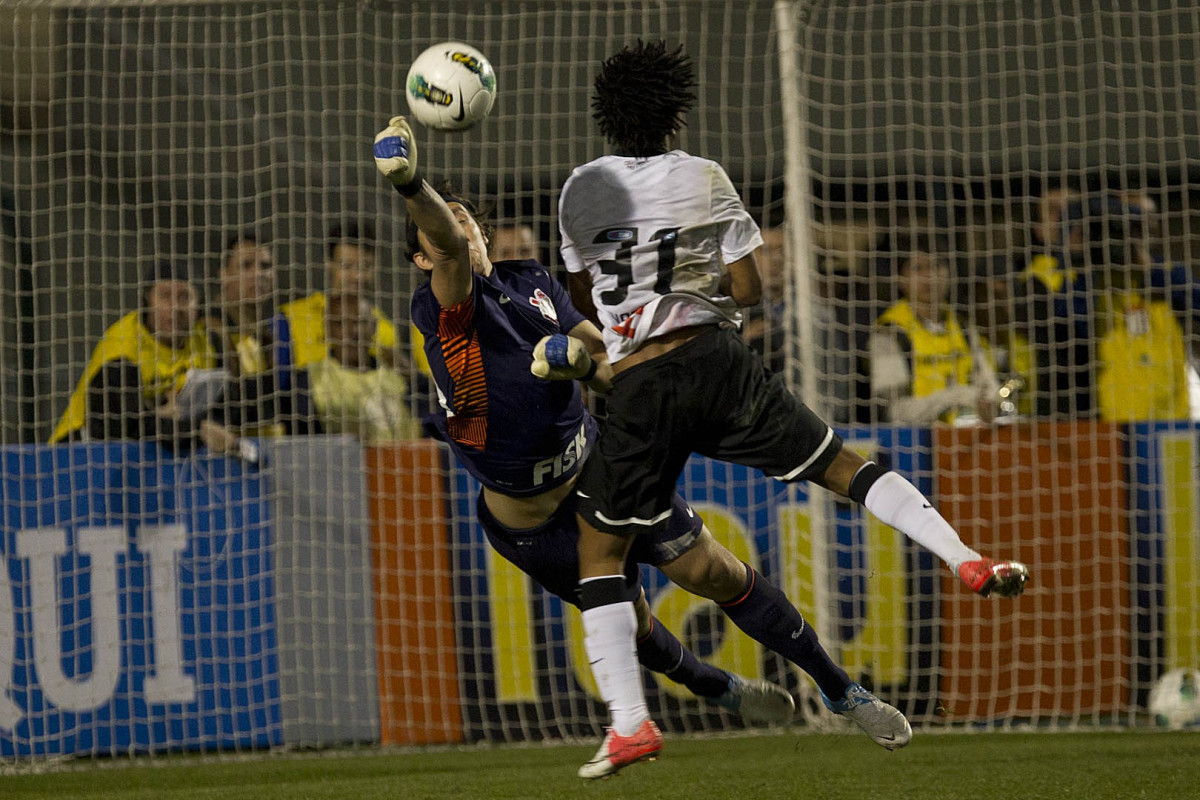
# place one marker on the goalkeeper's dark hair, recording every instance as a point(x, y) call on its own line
point(352, 232)
point(641, 96)
point(450, 194)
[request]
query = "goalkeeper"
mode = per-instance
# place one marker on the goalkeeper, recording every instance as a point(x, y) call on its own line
point(525, 438)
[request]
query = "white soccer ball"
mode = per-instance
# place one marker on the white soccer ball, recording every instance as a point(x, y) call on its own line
point(1175, 699)
point(451, 86)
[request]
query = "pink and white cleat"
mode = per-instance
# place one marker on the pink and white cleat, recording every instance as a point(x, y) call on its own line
point(985, 577)
point(621, 751)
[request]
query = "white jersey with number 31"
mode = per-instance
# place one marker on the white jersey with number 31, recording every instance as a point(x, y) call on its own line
point(654, 234)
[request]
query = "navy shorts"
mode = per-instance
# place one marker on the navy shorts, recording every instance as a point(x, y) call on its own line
point(549, 554)
point(711, 396)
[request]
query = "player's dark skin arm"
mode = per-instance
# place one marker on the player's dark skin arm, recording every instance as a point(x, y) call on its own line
point(579, 286)
point(742, 282)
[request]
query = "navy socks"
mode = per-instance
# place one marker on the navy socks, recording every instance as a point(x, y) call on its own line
point(661, 652)
point(768, 617)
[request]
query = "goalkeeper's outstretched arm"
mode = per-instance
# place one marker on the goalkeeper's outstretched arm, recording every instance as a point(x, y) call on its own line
point(444, 252)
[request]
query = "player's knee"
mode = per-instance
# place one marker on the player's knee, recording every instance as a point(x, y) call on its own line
point(708, 570)
point(727, 579)
point(720, 581)
point(601, 551)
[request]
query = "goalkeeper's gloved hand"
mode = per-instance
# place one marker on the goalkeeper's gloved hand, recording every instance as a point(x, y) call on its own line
point(396, 152)
point(562, 358)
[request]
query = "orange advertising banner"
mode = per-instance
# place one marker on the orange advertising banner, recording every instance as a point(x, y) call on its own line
point(1055, 496)
point(419, 699)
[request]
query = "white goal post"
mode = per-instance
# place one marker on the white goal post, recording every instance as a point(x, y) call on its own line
point(341, 593)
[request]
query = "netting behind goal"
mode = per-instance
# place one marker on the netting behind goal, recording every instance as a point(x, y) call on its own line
point(339, 591)
point(1002, 221)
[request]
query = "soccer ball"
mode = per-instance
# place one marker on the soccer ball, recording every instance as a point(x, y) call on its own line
point(451, 86)
point(1175, 699)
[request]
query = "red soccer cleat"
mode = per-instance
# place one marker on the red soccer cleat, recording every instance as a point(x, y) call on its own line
point(621, 751)
point(985, 577)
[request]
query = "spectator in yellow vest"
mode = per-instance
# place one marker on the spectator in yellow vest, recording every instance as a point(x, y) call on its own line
point(130, 385)
point(1104, 317)
point(922, 365)
point(352, 391)
point(349, 267)
point(1141, 359)
point(267, 396)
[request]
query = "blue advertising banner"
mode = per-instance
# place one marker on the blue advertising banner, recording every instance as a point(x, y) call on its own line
point(136, 603)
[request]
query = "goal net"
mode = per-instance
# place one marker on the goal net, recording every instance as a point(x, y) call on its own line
point(999, 221)
point(335, 588)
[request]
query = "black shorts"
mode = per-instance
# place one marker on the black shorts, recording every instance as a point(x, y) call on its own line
point(549, 553)
point(710, 396)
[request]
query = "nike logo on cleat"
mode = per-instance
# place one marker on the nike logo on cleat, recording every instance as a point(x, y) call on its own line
point(926, 505)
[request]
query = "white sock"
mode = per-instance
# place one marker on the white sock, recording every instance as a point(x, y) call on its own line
point(609, 637)
point(900, 504)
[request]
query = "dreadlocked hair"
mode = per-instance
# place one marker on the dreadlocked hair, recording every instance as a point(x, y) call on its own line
point(641, 95)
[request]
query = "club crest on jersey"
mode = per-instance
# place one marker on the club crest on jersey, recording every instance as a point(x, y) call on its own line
point(542, 302)
point(626, 325)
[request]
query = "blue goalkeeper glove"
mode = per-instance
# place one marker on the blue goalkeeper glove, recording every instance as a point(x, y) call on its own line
point(396, 152)
point(562, 358)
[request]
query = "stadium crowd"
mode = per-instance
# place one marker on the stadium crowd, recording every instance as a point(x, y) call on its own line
point(1089, 320)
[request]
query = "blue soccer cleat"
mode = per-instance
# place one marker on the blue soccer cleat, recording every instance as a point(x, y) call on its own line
point(756, 701)
point(883, 723)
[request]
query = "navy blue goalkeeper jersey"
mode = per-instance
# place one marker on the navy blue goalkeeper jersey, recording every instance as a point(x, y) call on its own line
point(517, 434)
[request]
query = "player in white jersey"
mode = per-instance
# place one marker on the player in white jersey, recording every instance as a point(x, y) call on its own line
point(659, 265)
point(661, 252)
